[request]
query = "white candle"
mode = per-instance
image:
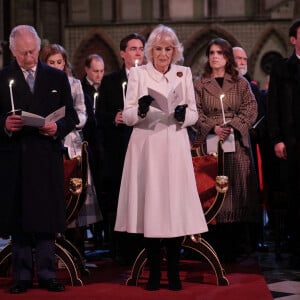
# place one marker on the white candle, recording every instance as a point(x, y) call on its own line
point(11, 95)
point(94, 104)
point(136, 62)
point(223, 113)
point(123, 88)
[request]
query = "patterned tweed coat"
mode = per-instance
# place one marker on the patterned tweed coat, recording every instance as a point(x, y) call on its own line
point(241, 202)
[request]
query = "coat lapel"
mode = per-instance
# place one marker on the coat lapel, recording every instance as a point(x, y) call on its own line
point(227, 84)
point(213, 88)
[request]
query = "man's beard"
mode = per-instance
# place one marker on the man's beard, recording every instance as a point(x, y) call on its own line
point(243, 70)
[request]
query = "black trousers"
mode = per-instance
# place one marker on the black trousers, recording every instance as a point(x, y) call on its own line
point(153, 248)
point(293, 196)
point(27, 248)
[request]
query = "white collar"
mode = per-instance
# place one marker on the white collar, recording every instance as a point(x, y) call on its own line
point(25, 71)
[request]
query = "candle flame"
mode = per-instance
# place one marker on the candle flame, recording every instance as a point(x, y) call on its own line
point(11, 82)
point(136, 62)
point(124, 84)
point(222, 96)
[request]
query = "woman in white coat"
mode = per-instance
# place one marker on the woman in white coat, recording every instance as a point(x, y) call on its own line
point(158, 195)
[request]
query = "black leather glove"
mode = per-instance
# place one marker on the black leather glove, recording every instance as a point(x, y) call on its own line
point(144, 103)
point(179, 113)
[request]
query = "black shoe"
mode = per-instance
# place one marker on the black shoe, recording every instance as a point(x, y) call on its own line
point(153, 283)
point(174, 282)
point(52, 285)
point(175, 285)
point(20, 286)
point(152, 286)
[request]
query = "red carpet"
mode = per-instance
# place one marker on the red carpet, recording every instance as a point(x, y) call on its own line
point(199, 283)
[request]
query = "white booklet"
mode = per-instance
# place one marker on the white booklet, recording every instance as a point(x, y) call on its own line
point(212, 143)
point(169, 103)
point(34, 120)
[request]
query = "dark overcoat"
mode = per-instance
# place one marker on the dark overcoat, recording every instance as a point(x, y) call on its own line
point(89, 129)
point(32, 179)
point(283, 106)
point(115, 137)
point(283, 119)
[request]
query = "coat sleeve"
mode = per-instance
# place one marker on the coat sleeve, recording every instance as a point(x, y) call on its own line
point(130, 113)
point(78, 100)
point(191, 115)
point(247, 113)
point(274, 103)
point(204, 123)
point(68, 123)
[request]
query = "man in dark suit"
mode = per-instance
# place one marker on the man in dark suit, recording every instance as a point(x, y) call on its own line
point(32, 206)
point(283, 117)
point(115, 133)
point(94, 69)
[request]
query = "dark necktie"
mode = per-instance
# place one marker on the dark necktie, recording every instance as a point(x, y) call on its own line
point(30, 80)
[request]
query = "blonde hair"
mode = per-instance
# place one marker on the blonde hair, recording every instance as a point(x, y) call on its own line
point(164, 34)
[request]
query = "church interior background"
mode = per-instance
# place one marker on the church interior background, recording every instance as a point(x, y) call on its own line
point(97, 26)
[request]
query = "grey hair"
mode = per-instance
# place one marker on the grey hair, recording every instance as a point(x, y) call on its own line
point(18, 31)
point(165, 34)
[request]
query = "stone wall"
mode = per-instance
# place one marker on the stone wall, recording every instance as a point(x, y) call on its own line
point(257, 37)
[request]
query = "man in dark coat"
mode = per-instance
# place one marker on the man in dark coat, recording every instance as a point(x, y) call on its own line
point(32, 206)
point(116, 134)
point(283, 112)
point(94, 68)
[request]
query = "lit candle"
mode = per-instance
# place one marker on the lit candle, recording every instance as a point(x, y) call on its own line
point(223, 113)
point(94, 104)
point(136, 62)
point(11, 95)
point(123, 88)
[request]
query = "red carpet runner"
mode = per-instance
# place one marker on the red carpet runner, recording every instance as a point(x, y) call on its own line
point(106, 282)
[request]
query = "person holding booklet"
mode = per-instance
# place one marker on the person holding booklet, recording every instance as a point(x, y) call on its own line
point(227, 106)
point(30, 119)
point(158, 195)
point(32, 205)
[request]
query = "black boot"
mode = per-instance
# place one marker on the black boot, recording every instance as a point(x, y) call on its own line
point(173, 246)
point(153, 256)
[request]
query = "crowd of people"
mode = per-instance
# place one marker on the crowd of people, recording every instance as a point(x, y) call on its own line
point(141, 189)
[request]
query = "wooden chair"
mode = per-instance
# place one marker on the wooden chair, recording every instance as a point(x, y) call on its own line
point(76, 175)
point(196, 242)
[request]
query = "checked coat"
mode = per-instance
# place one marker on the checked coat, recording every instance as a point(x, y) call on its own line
point(241, 203)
